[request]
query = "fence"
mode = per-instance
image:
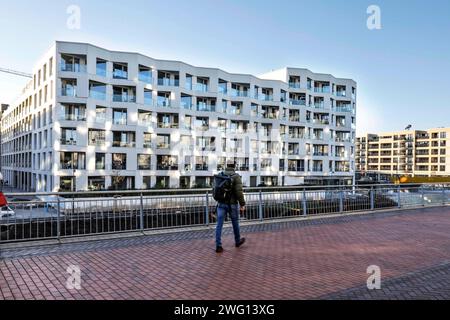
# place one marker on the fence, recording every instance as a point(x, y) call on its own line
point(60, 215)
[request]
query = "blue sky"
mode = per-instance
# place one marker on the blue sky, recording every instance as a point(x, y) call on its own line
point(402, 70)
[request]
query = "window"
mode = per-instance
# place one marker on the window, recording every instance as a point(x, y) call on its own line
point(165, 162)
point(96, 183)
point(147, 140)
point(67, 184)
point(119, 161)
point(100, 161)
point(96, 137)
point(69, 136)
point(201, 163)
point(100, 114)
point(125, 139)
point(144, 118)
point(163, 141)
point(97, 90)
point(120, 116)
point(120, 71)
point(146, 182)
point(50, 67)
point(145, 74)
point(73, 160)
point(73, 112)
point(143, 161)
point(101, 67)
point(162, 182)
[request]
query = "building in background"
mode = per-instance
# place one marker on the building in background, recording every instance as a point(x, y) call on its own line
point(415, 153)
point(3, 108)
point(94, 119)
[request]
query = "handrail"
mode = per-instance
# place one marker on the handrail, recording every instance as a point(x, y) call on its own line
point(204, 190)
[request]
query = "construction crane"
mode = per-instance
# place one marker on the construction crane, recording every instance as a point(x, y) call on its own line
point(17, 73)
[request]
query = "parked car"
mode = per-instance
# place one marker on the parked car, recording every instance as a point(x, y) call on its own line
point(6, 212)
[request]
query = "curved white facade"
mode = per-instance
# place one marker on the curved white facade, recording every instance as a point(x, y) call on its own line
point(129, 121)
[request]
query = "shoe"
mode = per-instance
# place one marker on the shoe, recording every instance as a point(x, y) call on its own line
point(240, 243)
point(219, 250)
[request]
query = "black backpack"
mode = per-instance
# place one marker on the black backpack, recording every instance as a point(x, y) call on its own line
point(222, 187)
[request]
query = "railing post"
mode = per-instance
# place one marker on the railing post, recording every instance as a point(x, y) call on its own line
point(58, 219)
point(372, 199)
point(260, 208)
point(422, 194)
point(399, 197)
point(305, 207)
point(341, 201)
point(207, 209)
point(141, 212)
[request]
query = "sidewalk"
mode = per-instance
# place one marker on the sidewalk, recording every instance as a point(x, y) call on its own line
point(309, 259)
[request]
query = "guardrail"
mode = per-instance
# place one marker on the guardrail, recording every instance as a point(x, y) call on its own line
point(62, 215)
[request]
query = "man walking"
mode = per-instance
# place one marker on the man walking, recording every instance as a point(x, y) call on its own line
point(230, 197)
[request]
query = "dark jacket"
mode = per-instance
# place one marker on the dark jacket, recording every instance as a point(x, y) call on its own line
point(237, 195)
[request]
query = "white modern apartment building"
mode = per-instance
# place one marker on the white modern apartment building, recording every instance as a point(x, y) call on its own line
point(423, 153)
point(94, 119)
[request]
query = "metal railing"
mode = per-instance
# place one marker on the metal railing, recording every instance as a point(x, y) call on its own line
point(38, 216)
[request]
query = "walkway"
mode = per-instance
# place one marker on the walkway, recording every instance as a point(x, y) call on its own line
point(325, 258)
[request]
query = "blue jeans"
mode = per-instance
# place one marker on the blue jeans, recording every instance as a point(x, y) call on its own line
point(222, 210)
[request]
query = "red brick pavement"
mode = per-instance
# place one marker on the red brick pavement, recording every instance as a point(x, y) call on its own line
point(296, 262)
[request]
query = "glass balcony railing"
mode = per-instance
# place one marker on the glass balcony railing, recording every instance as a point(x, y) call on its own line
point(69, 91)
point(295, 102)
point(68, 142)
point(101, 70)
point(294, 85)
point(168, 125)
point(206, 107)
point(164, 102)
point(97, 95)
point(120, 121)
point(120, 74)
point(200, 87)
point(186, 104)
point(168, 82)
point(239, 93)
point(266, 97)
point(344, 108)
point(340, 93)
point(123, 98)
point(148, 101)
point(222, 90)
point(124, 144)
point(319, 105)
point(322, 89)
point(145, 77)
point(73, 67)
point(72, 117)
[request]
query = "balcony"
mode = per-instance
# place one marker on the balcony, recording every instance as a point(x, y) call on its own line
point(239, 93)
point(200, 87)
point(120, 74)
point(168, 125)
point(73, 67)
point(69, 91)
point(124, 98)
point(68, 141)
point(265, 97)
point(322, 89)
point(295, 85)
point(168, 82)
point(124, 144)
point(343, 108)
point(295, 102)
point(164, 102)
point(206, 107)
